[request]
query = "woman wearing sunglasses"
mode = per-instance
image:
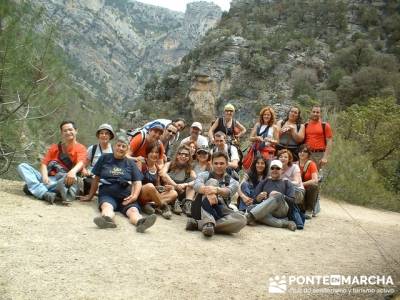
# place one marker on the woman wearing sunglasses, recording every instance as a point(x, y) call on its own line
point(179, 173)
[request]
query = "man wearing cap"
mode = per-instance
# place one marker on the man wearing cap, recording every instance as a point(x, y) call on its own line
point(179, 123)
point(104, 134)
point(274, 196)
point(58, 168)
point(195, 136)
point(141, 144)
point(232, 128)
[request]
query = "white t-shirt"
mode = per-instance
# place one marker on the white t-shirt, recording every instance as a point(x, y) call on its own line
point(201, 141)
point(97, 154)
point(234, 152)
point(289, 174)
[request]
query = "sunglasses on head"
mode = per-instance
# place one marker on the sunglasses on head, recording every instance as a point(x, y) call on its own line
point(275, 168)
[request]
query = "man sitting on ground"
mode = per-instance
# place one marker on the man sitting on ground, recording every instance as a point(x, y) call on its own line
point(274, 196)
point(215, 188)
point(58, 168)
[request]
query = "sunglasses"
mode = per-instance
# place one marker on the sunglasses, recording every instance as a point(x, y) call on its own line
point(184, 154)
point(171, 131)
point(275, 168)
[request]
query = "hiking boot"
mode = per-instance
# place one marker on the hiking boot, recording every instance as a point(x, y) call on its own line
point(26, 190)
point(291, 226)
point(250, 220)
point(191, 224)
point(166, 212)
point(148, 209)
point(49, 197)
point(208, 230)
point(63, 191)
point(187, 207)
point(177, 207)
point(145, 223)
point(104, 222)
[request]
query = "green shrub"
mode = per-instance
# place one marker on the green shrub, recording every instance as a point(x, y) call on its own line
point(352, 178)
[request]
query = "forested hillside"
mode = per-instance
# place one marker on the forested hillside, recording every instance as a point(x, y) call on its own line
point(343, 54)
point(36, 93)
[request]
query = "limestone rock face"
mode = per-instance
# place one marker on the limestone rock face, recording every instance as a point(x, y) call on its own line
point(115, 46)
point(202, 96)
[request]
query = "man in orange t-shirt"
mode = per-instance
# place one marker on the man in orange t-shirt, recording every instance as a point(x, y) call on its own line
point(58, 168)
point(139, 149)
point(320, 144)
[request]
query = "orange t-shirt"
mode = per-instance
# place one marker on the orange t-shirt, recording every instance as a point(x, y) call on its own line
point(76, 152)
point(137, 150)
point(314, 136)
point(312, 168)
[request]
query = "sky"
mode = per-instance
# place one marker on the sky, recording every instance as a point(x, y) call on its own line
point(180, 5)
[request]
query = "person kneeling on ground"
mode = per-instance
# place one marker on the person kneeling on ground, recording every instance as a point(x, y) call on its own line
point(214, 188)
point(120, 188)
point(276, 199)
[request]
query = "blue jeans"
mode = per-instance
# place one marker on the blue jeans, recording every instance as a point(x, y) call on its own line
point(247, 189)
point(33, 180)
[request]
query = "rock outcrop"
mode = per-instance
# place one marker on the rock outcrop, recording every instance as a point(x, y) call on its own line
point(115, 46)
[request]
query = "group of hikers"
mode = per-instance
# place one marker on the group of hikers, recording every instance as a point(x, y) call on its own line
point(207, 178)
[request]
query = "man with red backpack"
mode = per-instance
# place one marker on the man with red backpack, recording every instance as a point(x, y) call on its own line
point(318, 138)
point(143, 141)
point(58, 169)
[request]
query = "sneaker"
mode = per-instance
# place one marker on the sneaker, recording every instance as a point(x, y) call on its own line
point(208, 230)
point(145, 223)
point(191, 224)
point(104, 222)
point(26, 190)
point(166, 212)
point(291, 225)
point(187, 207)
point(177, 207)
point(251, 221)
point(308, 215)
point(49, 197)
point(148, 209)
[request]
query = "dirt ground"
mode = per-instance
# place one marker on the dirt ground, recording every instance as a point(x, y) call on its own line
point(56, 252)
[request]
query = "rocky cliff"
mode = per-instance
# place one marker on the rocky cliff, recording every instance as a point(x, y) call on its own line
point(279, 52)
point(114, 46)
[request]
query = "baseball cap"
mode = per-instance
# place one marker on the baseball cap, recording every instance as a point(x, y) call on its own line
point(197, 125)
point(229, 107)
point(106, 127)
point(156, 126)
point(203, 148)
point(276, 163)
